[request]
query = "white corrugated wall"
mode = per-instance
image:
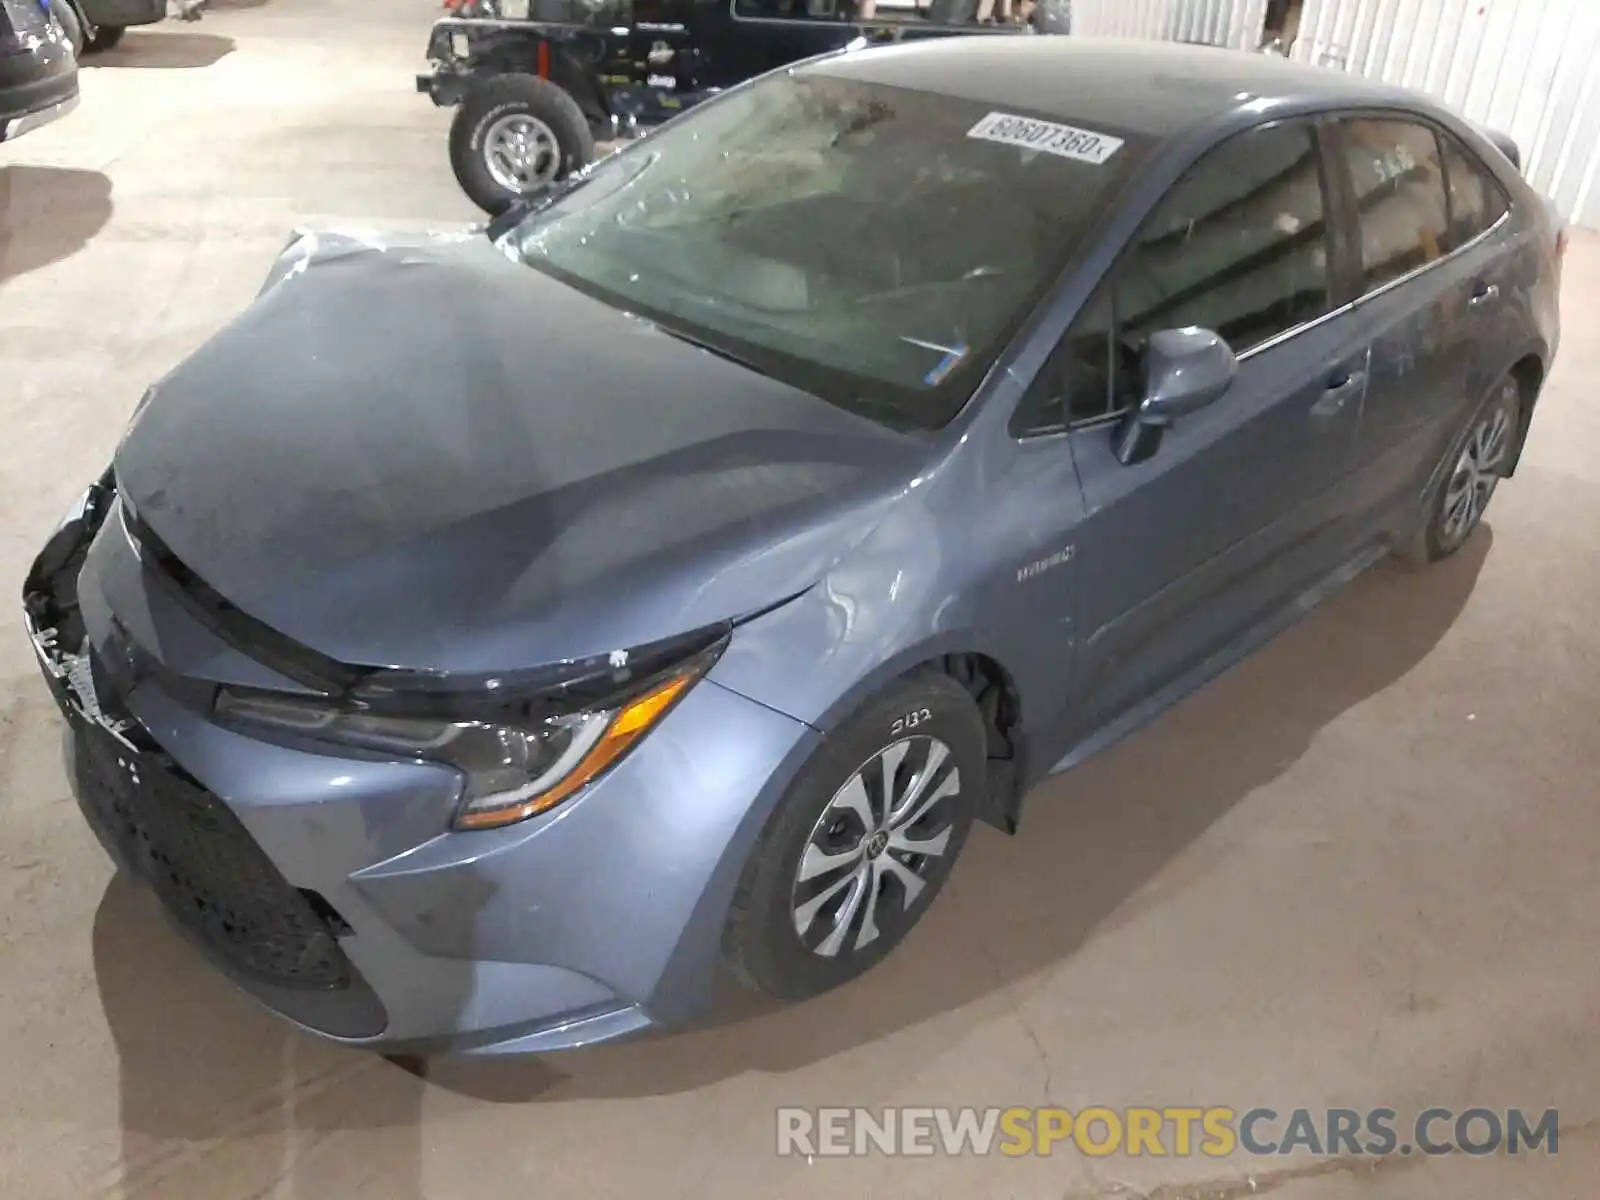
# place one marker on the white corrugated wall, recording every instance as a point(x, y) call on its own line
point(1234, 23)
point(1530, 68)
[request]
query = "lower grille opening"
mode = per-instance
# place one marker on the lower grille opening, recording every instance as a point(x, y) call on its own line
point(207, 870)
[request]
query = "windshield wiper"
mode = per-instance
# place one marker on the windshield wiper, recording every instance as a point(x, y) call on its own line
point(885, 412)
point(712, 348)
point(548, 194)
point(527, 205)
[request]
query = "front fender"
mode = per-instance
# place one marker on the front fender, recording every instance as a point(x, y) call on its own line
point(911, 592)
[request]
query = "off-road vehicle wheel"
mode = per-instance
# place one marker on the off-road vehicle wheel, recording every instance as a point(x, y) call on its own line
point(514, 134)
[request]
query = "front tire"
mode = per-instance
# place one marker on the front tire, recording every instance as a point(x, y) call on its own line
point(1471, 471)
point(862, 842)
point(514, 134)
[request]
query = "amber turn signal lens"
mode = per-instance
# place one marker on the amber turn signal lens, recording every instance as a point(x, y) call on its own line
point(632, 721)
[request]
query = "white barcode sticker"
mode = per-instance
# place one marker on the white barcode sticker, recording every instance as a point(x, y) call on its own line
point(514, 10)
point(1066, 141)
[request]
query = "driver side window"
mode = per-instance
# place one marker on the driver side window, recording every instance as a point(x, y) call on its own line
point(1238, 246)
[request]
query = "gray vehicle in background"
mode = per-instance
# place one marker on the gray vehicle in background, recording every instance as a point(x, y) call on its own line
point(484, 639)
point(38, 73)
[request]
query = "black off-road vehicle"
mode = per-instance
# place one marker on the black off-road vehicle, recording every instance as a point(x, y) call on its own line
point(539, 82)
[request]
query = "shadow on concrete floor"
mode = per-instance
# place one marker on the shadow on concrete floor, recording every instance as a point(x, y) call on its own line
point(213, 1086)
point(201, 1067)
point(170, 51)
point(47, 214)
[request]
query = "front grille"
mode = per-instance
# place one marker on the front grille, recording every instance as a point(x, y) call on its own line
point(204, 865)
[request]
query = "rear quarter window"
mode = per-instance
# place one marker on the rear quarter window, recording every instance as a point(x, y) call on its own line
point(1402, 205)
point(1476, 198)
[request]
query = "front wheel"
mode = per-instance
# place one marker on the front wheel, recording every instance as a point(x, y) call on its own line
point(513, 135)
point(862, 842)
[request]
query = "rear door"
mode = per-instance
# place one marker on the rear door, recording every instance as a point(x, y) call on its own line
point(1241, 502)
point(1432, 283)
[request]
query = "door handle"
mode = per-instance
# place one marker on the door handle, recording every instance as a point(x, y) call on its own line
point(1484, 293)
point(1342, 385)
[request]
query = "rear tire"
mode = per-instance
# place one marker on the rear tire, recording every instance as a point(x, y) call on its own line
point(513, 134)
point(106, 37)
point(863, 841)
point(1468, 476)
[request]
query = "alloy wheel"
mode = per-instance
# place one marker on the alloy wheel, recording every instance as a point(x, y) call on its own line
point(877, 845)
point(1475, 476)
point(521, 153)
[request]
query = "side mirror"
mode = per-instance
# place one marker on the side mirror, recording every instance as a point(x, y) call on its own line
point(1184, 371)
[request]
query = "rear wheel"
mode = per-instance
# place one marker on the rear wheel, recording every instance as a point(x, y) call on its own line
point(514, 134)
point(863, 841)
point(1474, 466)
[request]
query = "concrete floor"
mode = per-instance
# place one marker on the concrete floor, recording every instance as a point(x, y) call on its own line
point(1360, 870)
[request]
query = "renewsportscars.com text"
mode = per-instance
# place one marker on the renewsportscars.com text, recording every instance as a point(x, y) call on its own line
point(1176, 1131)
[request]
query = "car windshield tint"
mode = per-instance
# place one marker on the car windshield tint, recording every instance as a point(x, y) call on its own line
point(871, 245)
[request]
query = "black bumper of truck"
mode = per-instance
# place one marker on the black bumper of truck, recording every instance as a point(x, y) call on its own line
point(443, 87)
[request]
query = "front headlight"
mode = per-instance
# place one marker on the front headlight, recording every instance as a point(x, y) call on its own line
point(514, 769)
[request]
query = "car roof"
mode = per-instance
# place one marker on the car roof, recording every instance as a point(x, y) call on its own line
point(1147, 87)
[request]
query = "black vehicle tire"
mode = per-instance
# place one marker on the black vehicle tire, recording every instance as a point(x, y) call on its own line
point(488, 114)
point(106, 37)
point(1468, 474)
point(795, 937)
point(67, 17)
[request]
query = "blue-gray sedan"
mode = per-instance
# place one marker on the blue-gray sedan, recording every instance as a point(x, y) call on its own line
point(486, 636)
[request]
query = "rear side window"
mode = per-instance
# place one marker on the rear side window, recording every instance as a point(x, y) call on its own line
point(1401, 202)
point(1476, 201)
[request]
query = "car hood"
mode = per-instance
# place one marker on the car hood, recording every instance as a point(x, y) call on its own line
point(418, 453)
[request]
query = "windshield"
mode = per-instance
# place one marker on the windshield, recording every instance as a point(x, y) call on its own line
point(872, 245)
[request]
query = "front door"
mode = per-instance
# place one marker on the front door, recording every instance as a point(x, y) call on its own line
point(1241, 504)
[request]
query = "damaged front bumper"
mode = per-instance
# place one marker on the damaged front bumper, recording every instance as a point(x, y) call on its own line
point(331, 888)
